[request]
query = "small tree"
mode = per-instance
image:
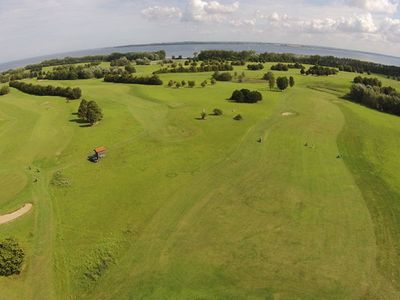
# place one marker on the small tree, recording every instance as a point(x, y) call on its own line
point(183, 83)
point(302, 71)
point(271, 81)
point(282, 83)
point(291, 81)
point(191, 83)
point(171, 83)
point(82, 110)
point(94, 113)
point(238, 117)
point(178, 85)
point(11, 257)
point(218, 112)
point(4, 90)
point(204, 84)
point(203, 114)
point(213, 81)
point(268, 75)
point(240, 78)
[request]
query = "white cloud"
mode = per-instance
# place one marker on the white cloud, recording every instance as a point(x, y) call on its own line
point(205, 11)
point(375, 6)
point(156, 13)
point(391, 29)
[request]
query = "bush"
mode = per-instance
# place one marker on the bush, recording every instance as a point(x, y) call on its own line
point(218, 112)
point(11, 257)
point(321, 71)
point(191, 83)
point(4, 90)
point(280, 67)
point(226, 76)
point(130, 69)
point(246, 96)
point(255, 67)
point(125, 77)
point(40, 90)
point(238, 117)
point(368, 81)
point(282, 83)
point(267, 76)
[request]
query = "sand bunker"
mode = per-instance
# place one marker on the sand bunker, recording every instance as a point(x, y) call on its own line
point(16, 214)
point(286, 114)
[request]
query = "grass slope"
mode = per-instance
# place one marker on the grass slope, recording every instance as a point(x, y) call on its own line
point(190, 209)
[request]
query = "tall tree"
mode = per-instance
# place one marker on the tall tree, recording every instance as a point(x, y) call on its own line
point(291, 81)
point(271, 81)
point(94, 113)
point(282, 83)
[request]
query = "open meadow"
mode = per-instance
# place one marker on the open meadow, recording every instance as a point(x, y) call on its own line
point(299, 200)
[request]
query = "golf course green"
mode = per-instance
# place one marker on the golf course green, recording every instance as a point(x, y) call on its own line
point(298, 200)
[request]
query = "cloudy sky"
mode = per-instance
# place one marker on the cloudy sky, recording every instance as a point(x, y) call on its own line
point(31, 28)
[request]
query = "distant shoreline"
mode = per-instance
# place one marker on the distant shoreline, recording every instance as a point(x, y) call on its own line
point(187, 48)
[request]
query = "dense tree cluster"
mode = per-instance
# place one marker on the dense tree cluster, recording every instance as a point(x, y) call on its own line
point(238, 63)
point(321, 71)
point(194, 67)
point(246, 96)
point(295, 66)
point(255, 67)
point(73, 72)
point(11, 257)
point(125, 77)
point(280, 67)
point(368, 81)
point(49, 90)
point(385, 99)
point(131, 56)
point(347, 64)
point(120, 62)
point(89, 112)
point(227, 55)
point(4, 90)
point(225, 76)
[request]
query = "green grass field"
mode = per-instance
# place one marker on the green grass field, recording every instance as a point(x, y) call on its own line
point(189, 209)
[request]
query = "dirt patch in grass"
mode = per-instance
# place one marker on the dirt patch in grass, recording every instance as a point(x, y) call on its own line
point(287, 114)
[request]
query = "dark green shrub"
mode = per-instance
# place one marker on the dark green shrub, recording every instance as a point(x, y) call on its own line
point(218, 112)
point(238, 117)
point(11, 257)
point(4, 90)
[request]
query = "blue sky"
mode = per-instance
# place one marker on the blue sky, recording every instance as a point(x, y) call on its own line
point(31, 28)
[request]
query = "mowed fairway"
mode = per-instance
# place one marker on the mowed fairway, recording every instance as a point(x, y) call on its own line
point(188, 209)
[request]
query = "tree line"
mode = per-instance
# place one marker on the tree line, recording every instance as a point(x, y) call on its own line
point(319, 71)
point(131, 56)
point(49, 90)
point(210, 66)
point(371, 94)
point(327, 61)
point(126, 77)
point(73, 72)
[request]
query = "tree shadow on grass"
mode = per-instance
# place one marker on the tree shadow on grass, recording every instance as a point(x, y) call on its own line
point(86, 125)
point(79, 121)
point(199, 119)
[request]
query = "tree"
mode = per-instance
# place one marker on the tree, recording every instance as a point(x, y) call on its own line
point(4, 90)
point(203, 114)
point(76, 93)
point(237, 96)
point(268, 75)
point(11, 257)
point(291, 81)
point(130, 69)
point(271, 81)
point(178, 85)
point(82, 110)
point(191, 83)
point(302, 71)
point(282, 83)
point(183, 83)
point(213, 81)
point(171, 83)
point(204, 84)
point(94, 113)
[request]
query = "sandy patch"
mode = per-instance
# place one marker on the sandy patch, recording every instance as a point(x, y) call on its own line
point(286, 114)
point(16, 214)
